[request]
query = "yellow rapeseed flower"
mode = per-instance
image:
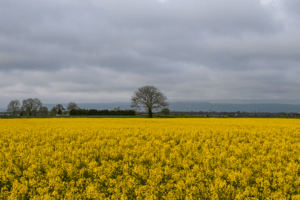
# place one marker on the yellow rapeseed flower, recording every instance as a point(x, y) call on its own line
point(110, 158)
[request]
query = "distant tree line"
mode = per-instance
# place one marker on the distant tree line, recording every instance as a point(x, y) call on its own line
point(84, 112)
point(239, 114)
point(34, 107)
point(148, 98)
point(29, 107)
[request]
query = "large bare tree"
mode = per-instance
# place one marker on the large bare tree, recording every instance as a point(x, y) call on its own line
point(149, 98)
point(31, 105)
point(14, 106)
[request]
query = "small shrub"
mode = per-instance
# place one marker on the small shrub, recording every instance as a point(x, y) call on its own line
point(165, 111)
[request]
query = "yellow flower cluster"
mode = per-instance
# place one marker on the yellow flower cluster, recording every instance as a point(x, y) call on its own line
point(86, 158)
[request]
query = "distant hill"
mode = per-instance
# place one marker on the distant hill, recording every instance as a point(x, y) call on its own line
point(195, 106)
point(198, 106)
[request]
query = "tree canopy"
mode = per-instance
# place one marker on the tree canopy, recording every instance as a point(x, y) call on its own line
point(72, 105)
point(43, 111)
point(31, 105)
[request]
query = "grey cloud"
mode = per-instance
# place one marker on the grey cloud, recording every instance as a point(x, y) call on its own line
point(291, 7)
point(56, 35)
point(190, 49)
point(193, 84)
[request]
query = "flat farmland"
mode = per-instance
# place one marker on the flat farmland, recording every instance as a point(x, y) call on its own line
point(115, 158)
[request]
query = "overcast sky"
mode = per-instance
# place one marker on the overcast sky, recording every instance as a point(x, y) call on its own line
point(96, 51)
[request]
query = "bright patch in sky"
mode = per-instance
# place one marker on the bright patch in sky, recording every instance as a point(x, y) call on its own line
point(265, 1)
point(162, 1)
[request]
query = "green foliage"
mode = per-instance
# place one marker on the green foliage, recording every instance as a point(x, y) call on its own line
point(51, 113)
point(181, 114)
point(165, 111)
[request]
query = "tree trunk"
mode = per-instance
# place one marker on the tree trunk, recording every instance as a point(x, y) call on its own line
point(150, 113)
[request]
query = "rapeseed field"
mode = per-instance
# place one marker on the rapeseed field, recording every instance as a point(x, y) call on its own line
point(149, 158)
